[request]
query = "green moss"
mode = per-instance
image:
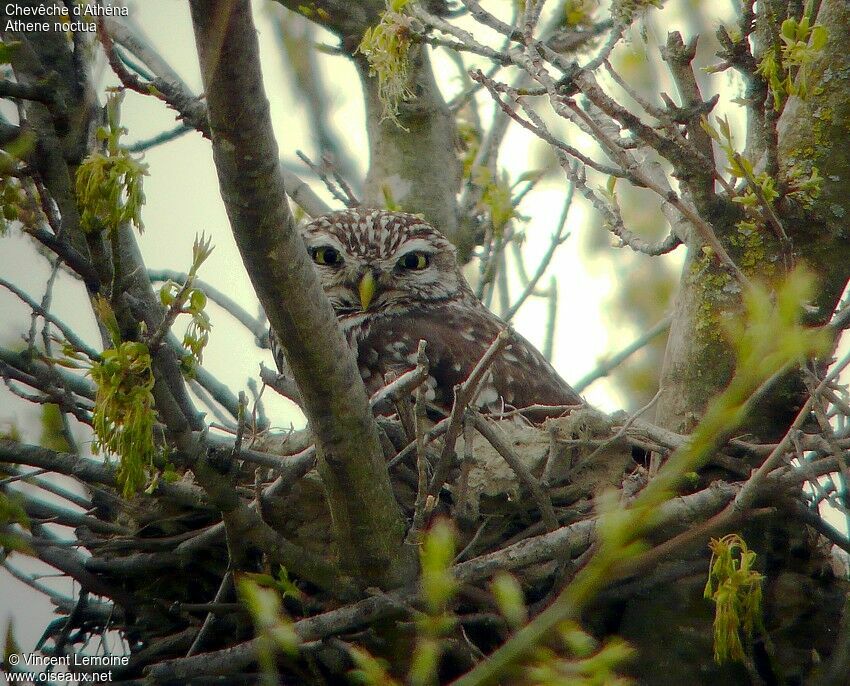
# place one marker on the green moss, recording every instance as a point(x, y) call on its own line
point(824, 114)
point(713, 293)
point(751, 251)
point(386, 47)
point(714, 298)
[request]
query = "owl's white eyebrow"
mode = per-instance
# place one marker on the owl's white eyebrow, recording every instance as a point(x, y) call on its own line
point(416, 245)
point(325, 241)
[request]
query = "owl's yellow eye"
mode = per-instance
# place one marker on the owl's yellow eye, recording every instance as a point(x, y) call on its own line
point(326, 255)
point(414, 260)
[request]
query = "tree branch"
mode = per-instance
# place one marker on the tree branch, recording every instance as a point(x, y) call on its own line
point(367, 521)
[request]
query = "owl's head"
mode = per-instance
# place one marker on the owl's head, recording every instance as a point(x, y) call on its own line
point(376, 261)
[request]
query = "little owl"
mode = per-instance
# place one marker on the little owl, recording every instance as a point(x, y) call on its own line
point(393, 280)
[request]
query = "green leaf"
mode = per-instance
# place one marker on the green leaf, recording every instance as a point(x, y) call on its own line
point(370, 670)
point(437, 553)
point(197, 299)
point(201, 249)
point(736, 590)
point(802, 32)
point(110, 185)
point(167, 292)
point(709, 129)
point(789, 29)
point(725, 130)
point(286, 586)
point(271, 624)
point(510, 599)
point(819, 38)
point(10, 645)
point(12, 513)
point(7, 51)
point(124, 416)
point(425, 661)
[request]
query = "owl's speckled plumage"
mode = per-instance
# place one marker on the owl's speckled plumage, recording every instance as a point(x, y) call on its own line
point(407, 301)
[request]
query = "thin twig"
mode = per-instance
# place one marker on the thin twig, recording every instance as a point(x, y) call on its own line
point(224, 589)
point(750, 489)
point(165, 137)
point(465, 394)
point(420, 511)
point(67, 332)
point(558, 239)
point(606, 367)
point(334, 190)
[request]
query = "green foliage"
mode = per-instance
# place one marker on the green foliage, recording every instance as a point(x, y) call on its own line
point(588, 662)
point(624, 11)
point(311, 11)
point(52, 429)
point(105, 315)
point(426, 660)
point(772, 335)
point(12, 200)
point(438, 587)
point(10, 646)
point(390, 202)
point(273, 628)
point(767, 339)
point(510, 599)
point(783, 68)
point(370, 670)
point(437, 553)
point(496, 197)
point(14, 204)
point(187, 299)
point(579, 13)
point(470, 143)
point(11, 513)
point(280, 583)
point(124, 416)
point(570, 657)
point(803, 187)
point(386, 47)
point(739, 166)
point(7, 50)
point(109, 184)
point(166, 474)
point(735, 588)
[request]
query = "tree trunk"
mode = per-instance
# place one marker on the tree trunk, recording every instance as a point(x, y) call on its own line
point(672, 625)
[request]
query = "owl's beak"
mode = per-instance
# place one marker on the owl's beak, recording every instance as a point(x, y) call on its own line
point(367, 290)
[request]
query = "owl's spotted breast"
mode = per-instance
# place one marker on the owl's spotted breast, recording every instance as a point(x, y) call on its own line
point(456, 338)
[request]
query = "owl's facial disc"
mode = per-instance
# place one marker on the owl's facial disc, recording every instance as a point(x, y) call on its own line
point(382, 285)
point(373, 261)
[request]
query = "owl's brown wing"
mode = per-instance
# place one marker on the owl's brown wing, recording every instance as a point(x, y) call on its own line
point(457, 336)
